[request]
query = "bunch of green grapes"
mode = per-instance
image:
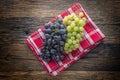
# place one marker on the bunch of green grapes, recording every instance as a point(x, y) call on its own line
point(75, 30)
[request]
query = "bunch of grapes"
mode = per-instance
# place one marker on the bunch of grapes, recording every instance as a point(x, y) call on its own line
point(53, 44)
point(75, 29)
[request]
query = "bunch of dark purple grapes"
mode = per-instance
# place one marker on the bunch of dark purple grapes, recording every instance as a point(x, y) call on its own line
point(53, 44)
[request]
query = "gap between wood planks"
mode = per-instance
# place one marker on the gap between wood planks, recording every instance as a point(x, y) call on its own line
point(34, 73)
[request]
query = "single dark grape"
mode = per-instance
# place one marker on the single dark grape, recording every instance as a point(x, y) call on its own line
point(41, 55)
point(55, 46)
point(62, 31)
point(60, 20)
point(57, 58)
point(46, 25)
point(48, 30)
point(61, 57)
point(61, 49)
point(62, 26)
point(43, 50)
point(64, 36)
point(61, 43)
point(53, 42)
point(47, 36)
point(49, 41)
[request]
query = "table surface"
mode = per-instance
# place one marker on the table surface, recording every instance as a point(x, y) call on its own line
point(19, 18)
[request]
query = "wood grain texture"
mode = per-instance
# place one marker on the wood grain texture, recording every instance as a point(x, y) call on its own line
point(19, 18)
point(66, 75)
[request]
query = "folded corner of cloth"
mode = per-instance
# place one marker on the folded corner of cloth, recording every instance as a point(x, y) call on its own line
point(92, 37)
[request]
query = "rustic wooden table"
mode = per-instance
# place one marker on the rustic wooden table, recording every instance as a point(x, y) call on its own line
point(19, 18)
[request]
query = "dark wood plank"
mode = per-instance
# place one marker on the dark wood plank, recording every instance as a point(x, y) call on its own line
point(66, 75)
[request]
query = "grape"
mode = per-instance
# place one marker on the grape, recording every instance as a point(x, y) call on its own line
point(74, 42)
point(52, 51)
point(65, 20)
point(77, 40)
point(81, 29)
point(74, 33)
point(75, 30)
point(47, 36)
point(82, 22)
point(73, 14)
point(57, 24)
point(61, 57)
point(76, 45)
point(61, 49)
point(78, 36)
point(69, 41)
point(71, 47)
point(81, 15)
point(61, 43)
point(69, 17)
point(62, 31)
point(41, 55)
point(48, 31)
point(59, 38)
point(84, 19)
point(57, 58)
point(77, 20)
point(66, 45)
point(69, 35)
point(60, 20)
point(81, 34)
point(69, 22)
point(47, 25)
point(49, 41)
point(69, 29)
point(72, 38)
point(53, 44)
point(64, 36)
point(62, 26)
point(72, 24)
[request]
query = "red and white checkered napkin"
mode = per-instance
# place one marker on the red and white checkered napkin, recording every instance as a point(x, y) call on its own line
point(92, 37)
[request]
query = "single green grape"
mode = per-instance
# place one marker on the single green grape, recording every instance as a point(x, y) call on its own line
point(73, 14)
point(74, 42)
point(81, 15)
point(81, 22)
point(68, 22)
point(77, 20)
point(66, 45)
point(72, 37)
point(84, 19)
point(74, 33)
point(77, 40)
point(71, 47)
point(69, 17)
point(69, 29)
point(78, 36)
point(69, 41)
point(69, 35)
point(76, 29)
point(76, 46)
point(65, 20)
point(81, 29)
point(82, 33)
point(72, 24)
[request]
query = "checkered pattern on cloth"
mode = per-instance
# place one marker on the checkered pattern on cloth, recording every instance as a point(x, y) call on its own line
point(92, 37)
